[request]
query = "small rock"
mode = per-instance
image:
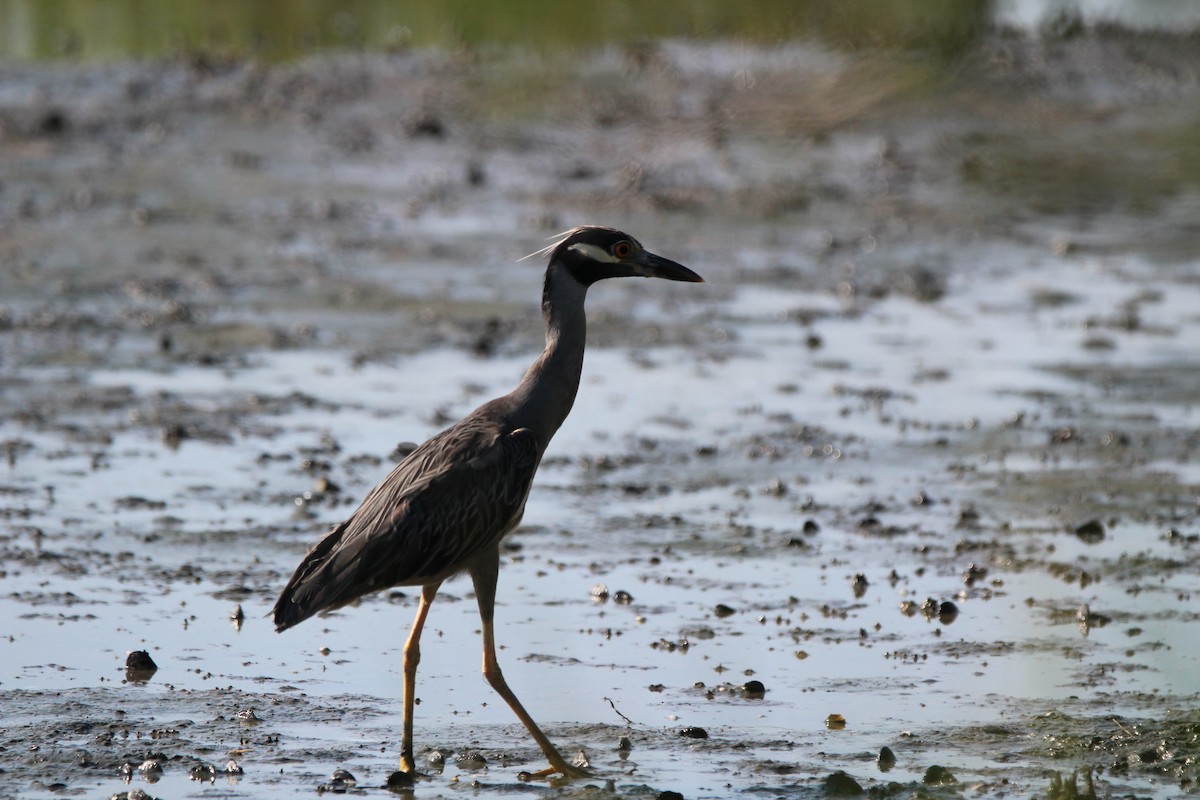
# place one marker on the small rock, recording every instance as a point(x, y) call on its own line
point(840, 784)
point(476, 175)
point(205, 773)
point(754, 690)
point(471, 760)
point(692, 732)
point(400, 452)
point(325, 486)
point(1091, 532)
point(139, 666)
point(133, 794)
point(172, 435)
point(1089, 619)
point(343, 777)
point(1063, 435)
point(723, 610)
point(1149, 756)
point(930, 608)
point(938, 776)
point(968, 518)
point(340, 782)
point(886, 759)
point(399, 780)
point(428, 126)
point(973, 573)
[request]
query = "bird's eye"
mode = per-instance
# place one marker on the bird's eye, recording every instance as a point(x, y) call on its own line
point(622, 249)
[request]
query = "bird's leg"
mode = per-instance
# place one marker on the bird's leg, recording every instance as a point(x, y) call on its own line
point(491, 671)
point(484, 575)
point(412, 657)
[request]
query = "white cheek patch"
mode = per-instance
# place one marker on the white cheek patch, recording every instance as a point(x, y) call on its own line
point(594, 253)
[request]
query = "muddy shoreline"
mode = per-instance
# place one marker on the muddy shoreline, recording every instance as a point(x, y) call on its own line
point(945, 356)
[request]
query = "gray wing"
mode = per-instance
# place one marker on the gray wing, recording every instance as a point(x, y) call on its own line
point(454, 496)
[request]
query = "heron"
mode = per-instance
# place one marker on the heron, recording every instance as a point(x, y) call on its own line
point(444, 509)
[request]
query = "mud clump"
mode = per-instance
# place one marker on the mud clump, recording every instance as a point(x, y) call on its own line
point(840, 784)
point(139, 667)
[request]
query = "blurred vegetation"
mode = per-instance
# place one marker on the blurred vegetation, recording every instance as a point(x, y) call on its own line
point(1086, 170)
point(279, 30)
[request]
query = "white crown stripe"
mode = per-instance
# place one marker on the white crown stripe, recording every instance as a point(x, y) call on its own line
point(597, 254)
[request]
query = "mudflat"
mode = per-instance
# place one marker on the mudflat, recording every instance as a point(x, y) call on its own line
point(916, 469)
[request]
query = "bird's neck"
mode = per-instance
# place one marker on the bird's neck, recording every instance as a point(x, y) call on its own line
point(547, 391)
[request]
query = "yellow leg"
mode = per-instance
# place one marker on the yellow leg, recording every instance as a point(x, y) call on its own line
point(412, 657)
point(484, 575)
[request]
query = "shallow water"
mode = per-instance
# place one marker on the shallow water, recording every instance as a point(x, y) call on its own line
point(892, 345)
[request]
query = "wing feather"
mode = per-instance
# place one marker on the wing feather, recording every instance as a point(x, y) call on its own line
point(454, 496)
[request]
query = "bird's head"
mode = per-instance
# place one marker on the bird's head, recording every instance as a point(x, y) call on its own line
point(591, 253)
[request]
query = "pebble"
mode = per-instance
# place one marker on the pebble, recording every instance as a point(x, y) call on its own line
point(1091, 532)
point(938, 776)
point(399, 780)
point(839, 784)
point(754, 690)
point(205, 773)
point(139, 666)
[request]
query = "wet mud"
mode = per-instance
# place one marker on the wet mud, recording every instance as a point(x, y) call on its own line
point(902, 501)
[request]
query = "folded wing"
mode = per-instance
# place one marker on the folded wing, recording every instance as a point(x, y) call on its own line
point(454, 496)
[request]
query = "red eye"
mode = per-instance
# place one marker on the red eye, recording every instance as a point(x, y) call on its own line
point(622, 249)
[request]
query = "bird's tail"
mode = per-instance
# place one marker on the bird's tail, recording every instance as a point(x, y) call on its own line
point(305, 596)
point(287, 612)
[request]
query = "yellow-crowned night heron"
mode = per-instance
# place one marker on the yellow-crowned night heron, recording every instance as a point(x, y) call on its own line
point(444, 509)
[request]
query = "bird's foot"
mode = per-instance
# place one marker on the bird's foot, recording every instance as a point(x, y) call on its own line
point(561, 772)
point(407, 762)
